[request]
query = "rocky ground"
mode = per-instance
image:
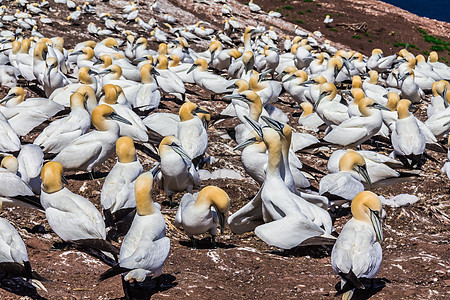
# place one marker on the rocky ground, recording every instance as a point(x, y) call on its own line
point(416, 256)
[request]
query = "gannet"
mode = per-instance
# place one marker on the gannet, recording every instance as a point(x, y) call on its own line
point(208, 81)
point(442, 69)
point(168, 80)
point(62, 132)
point(9, 141)
point(72, 217)
point(191, 132)
point(331, 112)
point(380, 63)
point(410, 89)
point(446, 168)
point(407, 138)
point(203, 212)
point(177, 171)
point(145, 248)
point(308, 118)
point(254, 7)
point(345, 184)
point(357, 252)
point(93, 148)
point(440, 99)
point(358, 129)
point(25, 114)
point(13, 185)
point(118, 188)
point(14, 256)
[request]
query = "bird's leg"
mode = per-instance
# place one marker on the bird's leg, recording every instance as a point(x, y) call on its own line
point(171, 202)
point(359, 147)
point(92, 174)
point(193, 241)
point(213, 240)
point(126, 288)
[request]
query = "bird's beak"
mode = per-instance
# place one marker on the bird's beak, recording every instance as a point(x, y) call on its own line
point(105, 71)
point(199, 110)
point(274, 124)
point(115, 48)
point(447, 124)
point(346, 65)
point(97, 62)
point(413, 108)
point(404, 76)
point(140, 59)
point(247, 67)
point(280, 75)
point(289, 78)
point(380, 107)
point(154, 72)
point(321, 96)
point(245, 144)
point(255, 126)
point(235, 96)
point(263, 75)
point(135, 46)
point(64, 180)
point(76, 53)
point(50, 69)
point(180, 151)
point(7, 98)
point(155, 170)
point(222, 220)
point(92, 72)
point(362, 170)
point(307, 82)
point(376, 223)
point(232, 87)
point(192, 68)
point(114, 116)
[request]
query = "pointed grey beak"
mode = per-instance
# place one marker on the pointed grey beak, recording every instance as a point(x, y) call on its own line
point(222, 220)
point(64, 180)
point(376, 223)
point(105, 71)
point(245, 144)
point(274, 124)
point(155, 170)
point(92, 72)
point(50, 69)
point(140, 59)
point(114, 116)
point(192, 68)
point(362, 170)
point(76, 53)
point(233, 86)
point(280, 75)
point(263, 75)
point(135, 46)
point(97, 62)
point(7, 98)
point(154, 72)
point(115, 48)
point(346, 65)
point(255, 126)
point(321, 96)
point(180, 151)
point(201, 110)
point(235, 96)
point(307, 82)
point(380, 107)
point(289, 78)
point(404, 76)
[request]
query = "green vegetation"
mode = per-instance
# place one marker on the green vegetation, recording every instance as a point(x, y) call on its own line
point(299, 21)
point(370, 41)
point(319, 5)
point(406, 45)
point(426, 52)
point(356, 37)
point(300, 13)
point(438, 44)
point(367, 34)
point(333, 29)
point(288, 7)
point(437, 48)
point(308, 10)
point(308, 0)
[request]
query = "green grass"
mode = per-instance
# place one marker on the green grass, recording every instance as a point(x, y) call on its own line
point(444, 60)
point(319, 5)
point(308, 0)
point(426, 52)
point(356, 37)
point(437, 48)
point(367, 34)
point(370, 41)
point(288, 7)
point(308, 10)
point(300, 13)
point(333, 29)
point(299, 21)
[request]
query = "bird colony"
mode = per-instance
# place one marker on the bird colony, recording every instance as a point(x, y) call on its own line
point(101, 98)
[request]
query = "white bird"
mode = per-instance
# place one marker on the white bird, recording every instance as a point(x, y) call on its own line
point(13, 185)
point(145, 248)
point(274, 14)
point(118, 188)
point(62, 132)
point(410, 89)
point(22, 115)
point(446, 168)
point(327, 21)
point(93, 148)
point(330, 111)
point(191, 132)
point(442, 69)
point(380, 63)
point(345, 184)
point(168, 80)
point(208, 81)
point(407, 138)
point(72, 217)
point(358, 129)
point(9, 141)
point(203, 212)
point(309, 119)
point(254, 7)
point(14, 256)
point(177, 171)
point(148, 95)
point(31, 160)
point(357, 252)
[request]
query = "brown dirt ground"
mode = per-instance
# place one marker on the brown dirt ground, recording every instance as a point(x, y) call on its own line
point(416, 256)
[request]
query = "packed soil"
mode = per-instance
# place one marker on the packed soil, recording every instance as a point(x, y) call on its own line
point(416, 255)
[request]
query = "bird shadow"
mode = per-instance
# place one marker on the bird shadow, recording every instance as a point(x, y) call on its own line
point(20, 287)
point(205, 243)
point(87, 176)
point(314, 251)
point(373, 286)
point(149, 287)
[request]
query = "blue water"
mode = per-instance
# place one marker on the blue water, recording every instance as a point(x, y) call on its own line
point(433, 9)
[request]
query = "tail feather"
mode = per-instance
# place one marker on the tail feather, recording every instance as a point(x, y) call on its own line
point(113, 271)
point(98, 244)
